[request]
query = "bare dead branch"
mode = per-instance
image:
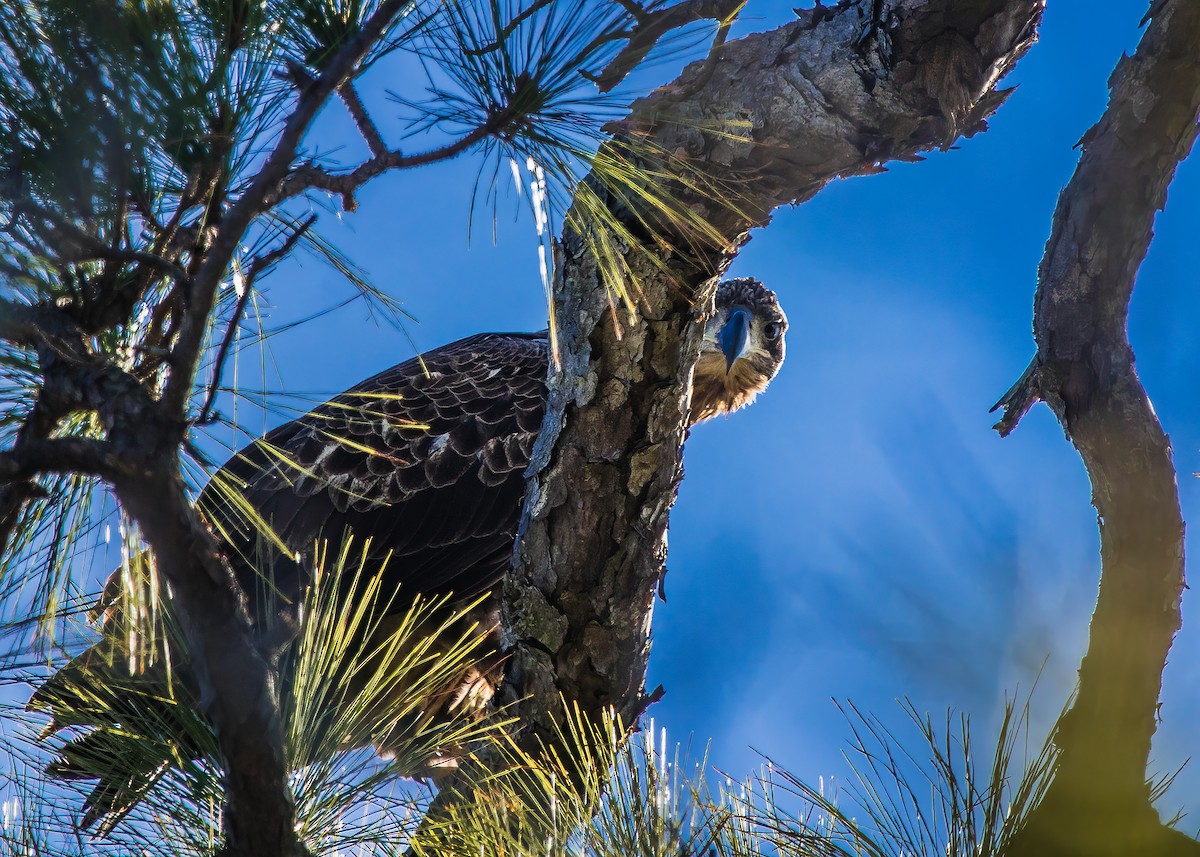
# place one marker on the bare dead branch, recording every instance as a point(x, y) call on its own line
point(1099, 803)
point(1017, 400)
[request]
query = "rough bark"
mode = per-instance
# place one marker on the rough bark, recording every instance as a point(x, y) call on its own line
point(1084, 369)
point(777, 115)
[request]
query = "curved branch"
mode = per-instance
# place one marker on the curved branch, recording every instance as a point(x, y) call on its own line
point(1099, 802)
point(362, 119)
point(652, 26)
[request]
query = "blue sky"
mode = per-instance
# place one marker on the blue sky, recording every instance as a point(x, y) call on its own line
point(860, 533)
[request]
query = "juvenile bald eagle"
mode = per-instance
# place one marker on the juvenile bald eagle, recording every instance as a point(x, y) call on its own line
point(427, 461)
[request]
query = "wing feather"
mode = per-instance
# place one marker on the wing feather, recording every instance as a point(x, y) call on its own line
point(427, 464)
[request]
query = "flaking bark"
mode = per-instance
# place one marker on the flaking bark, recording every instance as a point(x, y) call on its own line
point(1099, 802)
point(777, 116)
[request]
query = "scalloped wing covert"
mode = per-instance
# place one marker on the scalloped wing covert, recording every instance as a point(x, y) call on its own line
point(426, 459)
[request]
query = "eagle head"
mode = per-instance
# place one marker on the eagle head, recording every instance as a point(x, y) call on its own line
point(741, 351)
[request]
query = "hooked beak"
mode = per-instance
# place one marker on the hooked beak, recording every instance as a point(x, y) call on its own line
point(734, 335)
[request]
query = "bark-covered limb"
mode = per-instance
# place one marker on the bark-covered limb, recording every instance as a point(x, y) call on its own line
point(779, 116)
point(18, 489)
point(32, 325)
point(140, 458)
point(20, 466)
point(1084, 369)
point(57, 455)
point(236, 685)
point(20, 323)
point(13, 497)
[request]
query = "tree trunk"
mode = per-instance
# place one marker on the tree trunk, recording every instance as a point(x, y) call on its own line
point(777, 115)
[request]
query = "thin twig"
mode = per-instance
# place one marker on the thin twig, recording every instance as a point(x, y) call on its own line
point(509, 28)
point(259, 266)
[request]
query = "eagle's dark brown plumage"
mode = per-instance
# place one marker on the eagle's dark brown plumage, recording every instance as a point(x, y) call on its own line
point(427, 461)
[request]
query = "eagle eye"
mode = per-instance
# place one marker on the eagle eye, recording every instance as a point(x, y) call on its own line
point(772, 330)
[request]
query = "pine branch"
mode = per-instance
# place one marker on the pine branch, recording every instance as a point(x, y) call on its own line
point(258, 198)
point(312, 177)
point(235, 682)
point(652, 26)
